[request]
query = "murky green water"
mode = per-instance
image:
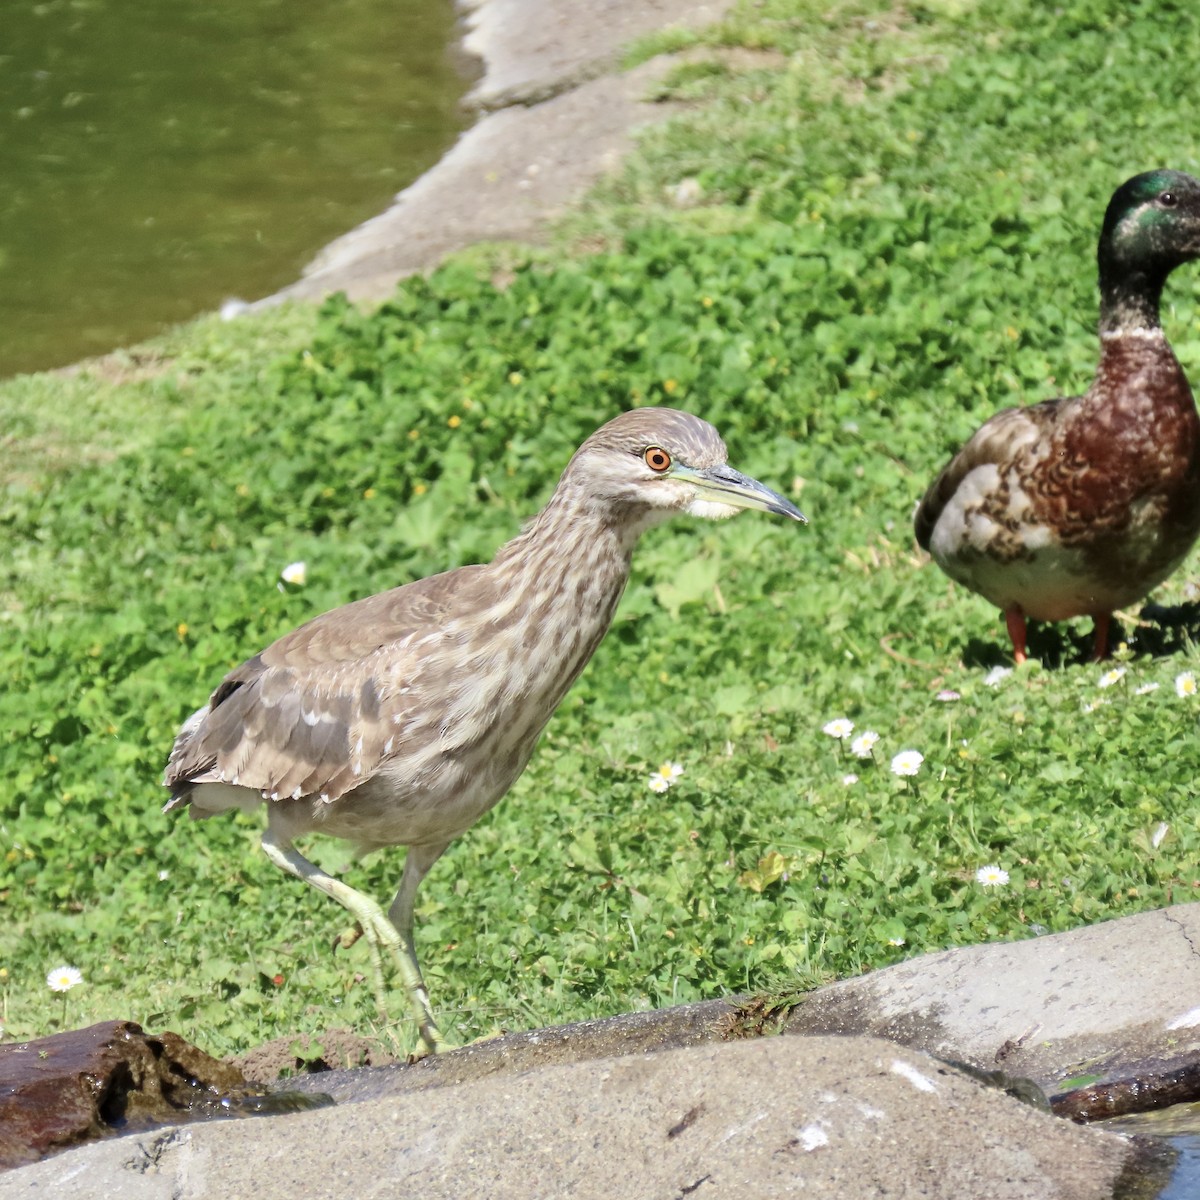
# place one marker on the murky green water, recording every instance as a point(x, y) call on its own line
point(1178, 1129)
point(160, 156)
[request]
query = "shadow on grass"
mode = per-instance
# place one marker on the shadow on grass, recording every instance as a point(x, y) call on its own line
point(1161, 632)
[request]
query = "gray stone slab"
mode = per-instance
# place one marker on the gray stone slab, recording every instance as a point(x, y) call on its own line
point(1094, 998)
point(828, 1117)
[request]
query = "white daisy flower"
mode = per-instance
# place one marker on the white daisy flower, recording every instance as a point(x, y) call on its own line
point(907, 762)
point(63, 979)
point(948, 696)
point(839, 728)
point(863, 744)
point(991, 876)
point(1111, 677)
point(849, 779)
point(996, 675)
point(666, 775)
point(1185, 684)
point(897, 941)
point(295, 574)
point(1145, 689)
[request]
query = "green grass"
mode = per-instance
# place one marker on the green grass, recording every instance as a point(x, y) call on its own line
point(893, 237)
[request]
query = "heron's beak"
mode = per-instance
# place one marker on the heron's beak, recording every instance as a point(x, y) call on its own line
point(724, 485)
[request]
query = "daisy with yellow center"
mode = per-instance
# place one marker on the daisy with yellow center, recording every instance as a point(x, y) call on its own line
point(666, 775)
point(862, 745)
point(63, 979)
point(907, 762)
point(294, 574)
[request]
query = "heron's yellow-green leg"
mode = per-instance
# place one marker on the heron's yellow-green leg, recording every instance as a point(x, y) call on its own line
point(377, 929)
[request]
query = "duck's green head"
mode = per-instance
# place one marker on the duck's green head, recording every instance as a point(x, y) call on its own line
point(1152, 225)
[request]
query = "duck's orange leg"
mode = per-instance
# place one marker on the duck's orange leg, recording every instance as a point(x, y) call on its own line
point(1014, 618)
point(1100, 646)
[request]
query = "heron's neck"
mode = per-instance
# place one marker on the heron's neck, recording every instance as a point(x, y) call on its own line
point(576, 542)
point(560, 581)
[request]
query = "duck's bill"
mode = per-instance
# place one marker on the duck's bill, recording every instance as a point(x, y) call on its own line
point(725, 486)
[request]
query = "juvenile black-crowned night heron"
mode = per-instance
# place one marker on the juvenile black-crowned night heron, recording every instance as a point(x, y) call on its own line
point(400, 719)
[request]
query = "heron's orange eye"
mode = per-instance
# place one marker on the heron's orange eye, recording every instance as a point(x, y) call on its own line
point(657, 459)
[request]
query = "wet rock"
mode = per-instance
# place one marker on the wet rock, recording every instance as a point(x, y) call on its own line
point(87, 1083)
point(1145, 1088)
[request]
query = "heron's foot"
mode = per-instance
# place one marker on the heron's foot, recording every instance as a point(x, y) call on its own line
point(382, 934)
point(424, 1050)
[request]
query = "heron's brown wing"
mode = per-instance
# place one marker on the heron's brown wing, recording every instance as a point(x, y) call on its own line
point(998, 441)
point(319, 709)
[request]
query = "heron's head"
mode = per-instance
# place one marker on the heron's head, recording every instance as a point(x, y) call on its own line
point(659, 461)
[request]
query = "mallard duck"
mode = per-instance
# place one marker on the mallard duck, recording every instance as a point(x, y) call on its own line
point(1081, 505)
